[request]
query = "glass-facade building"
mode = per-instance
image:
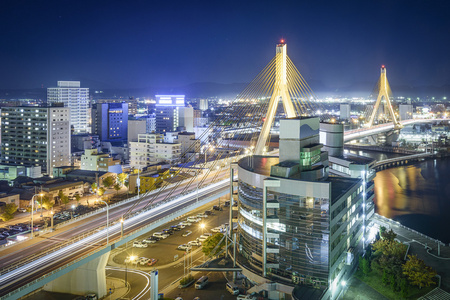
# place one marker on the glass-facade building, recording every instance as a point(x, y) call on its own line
point(296, 224)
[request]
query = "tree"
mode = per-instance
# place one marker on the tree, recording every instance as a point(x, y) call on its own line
point(47, 203)
point(389, 235)
point(393, 282)
point(65, 200)
point(9, 212)
point(77, 198)
point(417, 272)
point(404, 288)
point(108, 181)
point(100, 191)
point(389, 248)
point(366, 266)
point(94, 186)
point(60, 195)
point(122, 177)
point(117, 188)
point(211, 243)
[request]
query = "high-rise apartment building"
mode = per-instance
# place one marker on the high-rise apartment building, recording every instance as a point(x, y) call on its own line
point(36, 136)
point(406, 111)
point(131, 101)
point(77, 99)
point(110, 121)
point(203, 104)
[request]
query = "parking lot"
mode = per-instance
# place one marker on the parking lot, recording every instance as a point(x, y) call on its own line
point(165, 250)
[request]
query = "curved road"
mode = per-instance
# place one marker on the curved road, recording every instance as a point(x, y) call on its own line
point(12, 279)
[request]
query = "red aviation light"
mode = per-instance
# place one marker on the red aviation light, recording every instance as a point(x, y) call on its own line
point(382, 66)
point(282, 41)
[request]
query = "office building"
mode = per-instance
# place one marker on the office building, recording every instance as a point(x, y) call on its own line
point(131, 101)
point(172, 115)
point(110, 121)
point(344, 111)
point(406, 111)
point(151, 149)
point(203, 104)
point(92, 160)
point(36, 136)
point(76, 99)
point(297, 225)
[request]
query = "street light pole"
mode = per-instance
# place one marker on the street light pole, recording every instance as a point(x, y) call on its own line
point(32, 213)
point(51, 219)
point(121, 226)
point(107, 221)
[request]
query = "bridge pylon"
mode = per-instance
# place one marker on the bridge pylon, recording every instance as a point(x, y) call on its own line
point(384, 92)
point(280, 90)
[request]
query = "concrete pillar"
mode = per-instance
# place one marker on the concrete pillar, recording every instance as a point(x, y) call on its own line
point(88, 278)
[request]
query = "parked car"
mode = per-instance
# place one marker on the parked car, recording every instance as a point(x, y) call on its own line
point(202, 238)
point(139, 244)
point(184, 247)
point(215, 207)
point(193, 219)
point(208, 212)
point(22, 210)
point(194, 243)
point(187, 233)
point(246, 297)
point(181, 226)
point(175, 228)
point(186, 223)
point(168, 231)
point(143, 261)
point(227, 203)
point(202, 216)
point(149, 241)
point(161, 235)
point(232, 288)
point(217, 229)
point(207, 234)
point(152, 261)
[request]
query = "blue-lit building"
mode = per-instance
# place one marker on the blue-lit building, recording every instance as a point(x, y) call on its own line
point(110, 121)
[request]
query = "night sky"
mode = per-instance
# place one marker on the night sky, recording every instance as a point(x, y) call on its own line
point(138, 44)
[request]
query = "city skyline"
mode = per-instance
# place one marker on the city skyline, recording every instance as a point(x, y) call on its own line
point(143, 44)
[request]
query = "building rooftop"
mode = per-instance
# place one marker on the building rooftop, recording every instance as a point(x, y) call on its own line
point(86, 173)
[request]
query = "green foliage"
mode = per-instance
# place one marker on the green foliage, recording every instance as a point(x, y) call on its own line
point(47, 203)
point(108, 181)
point(94, 186)
point(211, 243)
point(187, 279)
point(388, 235)
point(385, 278)
point(100, 191)
point(382, 230)
point(64, 200)
point(10, 210)
point(366, 266)
point(77, 197)
point(404, 288)
point(117, 187)
point(122, 177)
point(418, 273)
point(60, 194)
point(389, 248)
point(393, 281)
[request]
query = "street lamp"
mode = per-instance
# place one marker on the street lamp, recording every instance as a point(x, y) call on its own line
point(73, 209)
point(51, 219)
point(107, 221)
point(202, 226)
point(32, 212)
point(121, 227)
point(131, 258)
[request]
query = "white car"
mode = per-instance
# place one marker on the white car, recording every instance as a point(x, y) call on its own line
point(202, 238)
point(149, 241)
point(186, 223)
point(181, 226)
point(207, 234)
point(139, 244)
point(184, 247)
point(217, 229)
point(202, 216)
point(161, 235)
point(188, 232)
point(193, 219)
point(194, 243)
point(143, 260)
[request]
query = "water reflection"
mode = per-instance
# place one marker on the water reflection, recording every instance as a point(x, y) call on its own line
point(418, 196)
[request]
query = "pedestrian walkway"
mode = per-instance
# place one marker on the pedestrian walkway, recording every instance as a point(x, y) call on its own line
point(433, 252)
point(116, 288)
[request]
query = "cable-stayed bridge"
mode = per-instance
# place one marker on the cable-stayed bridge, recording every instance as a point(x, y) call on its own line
point(248, 122)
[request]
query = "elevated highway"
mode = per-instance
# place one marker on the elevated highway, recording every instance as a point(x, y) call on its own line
point(26, 269)
point(364, 132)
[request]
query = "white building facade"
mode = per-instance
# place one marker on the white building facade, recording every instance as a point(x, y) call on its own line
point(77, 99)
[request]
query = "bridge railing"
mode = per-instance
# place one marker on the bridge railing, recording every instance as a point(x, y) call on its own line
point(152, 224)
point(84, 235)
